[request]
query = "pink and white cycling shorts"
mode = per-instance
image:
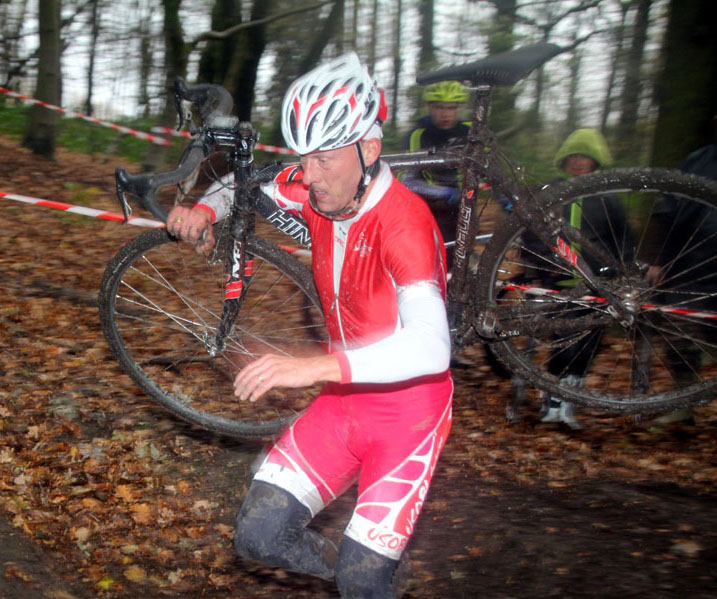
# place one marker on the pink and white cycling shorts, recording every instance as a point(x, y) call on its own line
point(388, 437)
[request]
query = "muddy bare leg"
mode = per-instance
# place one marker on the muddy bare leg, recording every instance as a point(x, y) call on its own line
point(364, 574)
point(271, 528)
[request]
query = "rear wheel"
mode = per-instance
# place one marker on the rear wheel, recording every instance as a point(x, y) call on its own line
point(563, 337)
point(160, 304)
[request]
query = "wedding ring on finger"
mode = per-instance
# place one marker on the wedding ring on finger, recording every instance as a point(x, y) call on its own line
point(178, 220)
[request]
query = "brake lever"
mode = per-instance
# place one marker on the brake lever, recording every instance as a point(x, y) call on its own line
point(121, 192)
point(140, 186)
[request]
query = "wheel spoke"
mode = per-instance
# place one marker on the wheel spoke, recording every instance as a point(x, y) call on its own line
point(660, 228)
point(161, 305)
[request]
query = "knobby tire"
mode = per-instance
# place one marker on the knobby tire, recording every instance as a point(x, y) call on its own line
point(160, 303)
point(667, 357)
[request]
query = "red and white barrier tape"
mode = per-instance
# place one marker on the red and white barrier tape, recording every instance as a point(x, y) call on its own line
point(112, 216)
point(146, 222)
point(161, 141)
point(532, 290)
point(83, 210)
point(186, 134)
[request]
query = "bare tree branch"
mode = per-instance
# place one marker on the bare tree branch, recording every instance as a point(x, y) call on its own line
point(78, 11)
point(217, 35)
point(578, 41)
point(18, 69)
point(548, 26)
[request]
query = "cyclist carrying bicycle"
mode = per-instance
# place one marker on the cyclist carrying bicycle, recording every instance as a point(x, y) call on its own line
point(384, 412)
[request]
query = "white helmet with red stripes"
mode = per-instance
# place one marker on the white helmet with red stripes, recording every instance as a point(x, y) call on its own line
point(334, 105)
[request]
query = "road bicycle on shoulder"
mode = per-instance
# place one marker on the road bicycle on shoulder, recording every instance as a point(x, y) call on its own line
point(632, 312)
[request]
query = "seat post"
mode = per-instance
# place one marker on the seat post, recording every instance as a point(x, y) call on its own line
point(481, 105)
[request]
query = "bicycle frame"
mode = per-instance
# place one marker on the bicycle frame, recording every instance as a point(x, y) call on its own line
point(479, 161)
point(242, 223)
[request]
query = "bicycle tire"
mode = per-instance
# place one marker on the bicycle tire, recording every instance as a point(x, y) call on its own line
point(160, 303)
point(666, 358)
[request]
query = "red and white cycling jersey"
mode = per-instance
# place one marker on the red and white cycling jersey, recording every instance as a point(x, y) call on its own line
point(382, 281)
point(380, 275)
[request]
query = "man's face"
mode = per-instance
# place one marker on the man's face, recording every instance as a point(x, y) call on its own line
point(333, 175)
point(444, 114)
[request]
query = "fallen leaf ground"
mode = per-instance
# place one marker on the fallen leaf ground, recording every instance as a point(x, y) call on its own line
point(102, 494)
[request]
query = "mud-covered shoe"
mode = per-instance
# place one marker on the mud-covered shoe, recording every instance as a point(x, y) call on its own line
point(551, 410)
point(559, 411)
point(567, 415)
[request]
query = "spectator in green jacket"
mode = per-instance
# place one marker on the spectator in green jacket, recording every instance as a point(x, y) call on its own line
point(602, 221)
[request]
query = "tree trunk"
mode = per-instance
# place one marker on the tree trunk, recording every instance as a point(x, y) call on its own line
point(572, 120)
point(352, 40)
point(426, 52)
point(501, 34)
point(241, 76)
point(615, 64)
point(175, 65)
point(10, 33)
point(628, 143)
point(328, 31)
point(396, 61)
point(218, 54)
point(687, 89)
point(373, 39)
point(295, 59)
point(42, 129)
point(145, 65)
point(95, 27)
point(175, 55)
point(501, 39)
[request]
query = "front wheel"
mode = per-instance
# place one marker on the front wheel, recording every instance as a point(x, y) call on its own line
point(651, 237)
point(160, 304)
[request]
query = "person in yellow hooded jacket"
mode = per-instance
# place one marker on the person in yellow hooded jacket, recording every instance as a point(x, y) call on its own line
point(602, 221)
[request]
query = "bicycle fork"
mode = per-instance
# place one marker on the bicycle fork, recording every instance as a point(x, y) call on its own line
point(239, 263)
point(623, 309)
point(240, 269)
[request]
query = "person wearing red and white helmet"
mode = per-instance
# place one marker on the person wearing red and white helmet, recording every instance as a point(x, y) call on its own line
point(337, 105)
point(384, 412)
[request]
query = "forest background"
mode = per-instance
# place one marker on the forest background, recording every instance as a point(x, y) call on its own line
point(643, 71)
point(115, 499)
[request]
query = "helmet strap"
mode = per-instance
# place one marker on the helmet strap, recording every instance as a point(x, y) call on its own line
point(367, 173)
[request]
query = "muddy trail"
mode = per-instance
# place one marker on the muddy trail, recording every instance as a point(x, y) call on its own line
point(103, 494)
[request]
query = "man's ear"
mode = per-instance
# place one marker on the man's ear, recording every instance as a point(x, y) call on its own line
point(371, 149)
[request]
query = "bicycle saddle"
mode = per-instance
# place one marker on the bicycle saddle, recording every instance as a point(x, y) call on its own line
point(506, 68)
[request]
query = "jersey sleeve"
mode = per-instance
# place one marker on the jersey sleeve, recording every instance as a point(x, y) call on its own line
point(286, 190)
point(217, 200)
point(415, 257)
point(414, 251)
point(422, 346)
